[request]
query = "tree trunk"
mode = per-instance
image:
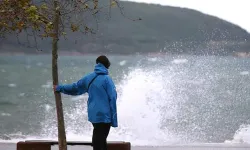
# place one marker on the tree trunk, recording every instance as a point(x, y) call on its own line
point(59, 107)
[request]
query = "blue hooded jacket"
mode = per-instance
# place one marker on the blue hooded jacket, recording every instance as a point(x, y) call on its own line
point(102, 95)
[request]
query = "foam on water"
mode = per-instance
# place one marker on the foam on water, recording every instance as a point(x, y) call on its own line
point(179, 61)
point(39, 64)
point(122, 63)
point(244, 73)
point(12, 85)
point(5, 114)
point(47, 85)
point(27, 66)
point(48, 107)
point(22, 94)
point(242, 135)
point(77, 98)
point(152, 59)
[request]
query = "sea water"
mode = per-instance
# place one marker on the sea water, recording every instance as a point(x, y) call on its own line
point(161, 101)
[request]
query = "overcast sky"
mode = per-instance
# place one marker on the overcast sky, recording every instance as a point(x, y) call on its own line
point(235, 11)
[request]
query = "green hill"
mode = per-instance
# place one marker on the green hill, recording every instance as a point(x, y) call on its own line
point(162, 29)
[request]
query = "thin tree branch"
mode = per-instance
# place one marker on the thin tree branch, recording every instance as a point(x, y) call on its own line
point(123, 13)
point(34, 35)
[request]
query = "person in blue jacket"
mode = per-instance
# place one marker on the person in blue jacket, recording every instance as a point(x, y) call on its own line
point(102, 98)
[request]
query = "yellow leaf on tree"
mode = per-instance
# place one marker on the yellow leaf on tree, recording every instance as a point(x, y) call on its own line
point(113, 4)
point(74, 28)
point(44, 6)
point(52, 35)
point(49, 25)
point(44, 35)
point(86, 6)
point(20, 25)
point(95, 4)
point(32, 9)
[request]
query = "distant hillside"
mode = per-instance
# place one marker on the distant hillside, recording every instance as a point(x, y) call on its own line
point(162, 29)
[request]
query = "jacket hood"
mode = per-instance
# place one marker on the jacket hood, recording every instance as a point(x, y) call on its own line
point(101, 69)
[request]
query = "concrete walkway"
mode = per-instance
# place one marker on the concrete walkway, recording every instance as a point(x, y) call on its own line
point(12, 146)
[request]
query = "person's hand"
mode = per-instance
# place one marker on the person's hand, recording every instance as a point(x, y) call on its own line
point(54, 88)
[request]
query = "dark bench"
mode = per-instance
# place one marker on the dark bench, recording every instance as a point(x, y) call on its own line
point(46, 145)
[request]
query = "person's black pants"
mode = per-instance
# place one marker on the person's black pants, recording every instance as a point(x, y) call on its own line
point(100, 134)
